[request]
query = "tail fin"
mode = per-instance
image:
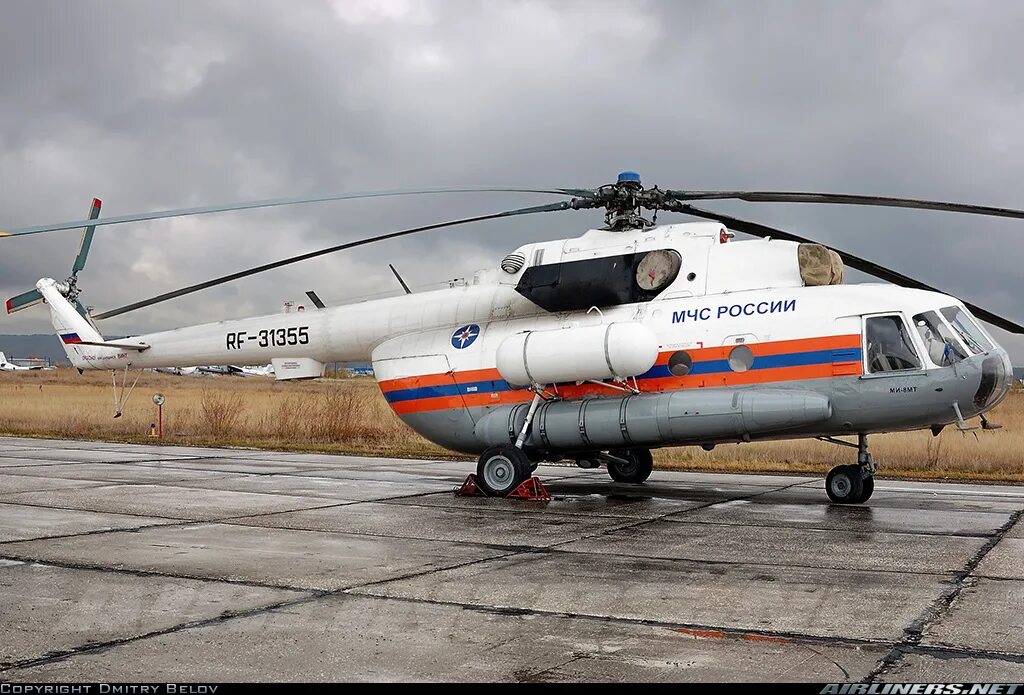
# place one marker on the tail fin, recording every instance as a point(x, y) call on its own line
point(72, 328)
point(3, 359)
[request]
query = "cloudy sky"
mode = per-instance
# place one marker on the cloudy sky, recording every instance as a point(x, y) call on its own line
point(152, 105)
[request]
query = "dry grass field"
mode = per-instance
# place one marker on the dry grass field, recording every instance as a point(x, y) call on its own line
point(350, 415)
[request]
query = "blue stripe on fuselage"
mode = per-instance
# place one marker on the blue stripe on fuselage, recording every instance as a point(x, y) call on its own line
point(793, 359)
point(489, 386)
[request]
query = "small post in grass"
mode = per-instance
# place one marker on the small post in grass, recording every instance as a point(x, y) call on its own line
point(158, 399)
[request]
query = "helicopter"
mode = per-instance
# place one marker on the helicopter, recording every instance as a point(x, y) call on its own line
point(602, 347)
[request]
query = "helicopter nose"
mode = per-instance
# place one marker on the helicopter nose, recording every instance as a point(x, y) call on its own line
point(996, 380)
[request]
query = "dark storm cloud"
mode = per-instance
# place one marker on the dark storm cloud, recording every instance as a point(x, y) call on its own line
point(153, 105)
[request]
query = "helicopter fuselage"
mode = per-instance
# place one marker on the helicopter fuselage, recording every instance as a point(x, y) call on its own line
point(743, 348)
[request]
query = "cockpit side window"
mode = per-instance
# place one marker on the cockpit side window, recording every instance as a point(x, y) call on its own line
point(964, 325)
point(889, 347)
point(942, 347)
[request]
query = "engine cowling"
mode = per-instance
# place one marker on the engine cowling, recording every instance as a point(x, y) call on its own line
point(577, 354)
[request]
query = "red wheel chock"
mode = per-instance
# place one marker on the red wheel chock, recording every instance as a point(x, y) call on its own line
point(469, 488)
point(531, 489)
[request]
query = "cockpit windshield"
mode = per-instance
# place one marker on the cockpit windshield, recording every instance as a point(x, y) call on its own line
point(942, 347)
point(965, 326)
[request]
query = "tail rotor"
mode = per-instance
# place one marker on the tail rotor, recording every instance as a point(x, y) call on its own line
point(70, 286)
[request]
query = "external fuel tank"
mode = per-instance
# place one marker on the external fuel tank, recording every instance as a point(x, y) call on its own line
point(614, 350)
point(656, 419)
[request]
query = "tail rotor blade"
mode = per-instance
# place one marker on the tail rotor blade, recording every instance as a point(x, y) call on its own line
point(855, 262)
point(24, 301)
point(551, 207)
point(83, 249)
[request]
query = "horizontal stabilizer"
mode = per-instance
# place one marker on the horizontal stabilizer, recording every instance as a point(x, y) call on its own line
point(140, 347)
point(23, 301)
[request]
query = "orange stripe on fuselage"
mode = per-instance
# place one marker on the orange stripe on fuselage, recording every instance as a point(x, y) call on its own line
point(469, 400)
point(669, 383)
point(778, 347)
point(444, 379)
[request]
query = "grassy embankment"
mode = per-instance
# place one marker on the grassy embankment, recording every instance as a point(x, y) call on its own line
point(351, 416)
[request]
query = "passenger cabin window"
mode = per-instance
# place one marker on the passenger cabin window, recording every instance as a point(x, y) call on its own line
point(942, 347)
point(889, 348)
point(971, 332)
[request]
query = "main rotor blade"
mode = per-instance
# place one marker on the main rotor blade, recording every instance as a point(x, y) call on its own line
point(277, 202)
point(551, 207)
point(845, 199)
point(855, 262)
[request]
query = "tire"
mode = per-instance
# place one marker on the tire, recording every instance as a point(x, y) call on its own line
point(844, 485)
point(501, 469)
point(869, 487)
point(638, 468)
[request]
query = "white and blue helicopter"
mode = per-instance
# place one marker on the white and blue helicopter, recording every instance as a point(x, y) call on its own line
point(601, 347)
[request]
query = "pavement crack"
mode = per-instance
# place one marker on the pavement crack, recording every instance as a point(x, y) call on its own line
point(914, 632)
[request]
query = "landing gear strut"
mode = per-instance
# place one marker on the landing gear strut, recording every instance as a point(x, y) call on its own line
point(853, 484)
point(630, 465)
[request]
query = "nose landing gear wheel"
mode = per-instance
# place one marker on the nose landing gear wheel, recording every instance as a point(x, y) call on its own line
point(845, 485)
point(502, 469)
point(635, 467)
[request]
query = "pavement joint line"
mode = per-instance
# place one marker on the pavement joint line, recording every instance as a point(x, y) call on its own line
point(4, 499)
point(310, 596)
point(709, 522)
point(697, 630)
point(567, 513)
point(81, 566)
point(751, 563)
point(701, 631)
point(313, 595)
point(80, 485)
point(914, 632)
point(949, 651)
point(177, 457)
point(94, 532)
point(88, 648)
point(392, 501)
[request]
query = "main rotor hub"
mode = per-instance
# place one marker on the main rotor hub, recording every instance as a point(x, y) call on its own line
point(623, 201)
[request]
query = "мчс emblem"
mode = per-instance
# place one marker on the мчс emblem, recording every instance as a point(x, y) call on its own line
point(463, 337)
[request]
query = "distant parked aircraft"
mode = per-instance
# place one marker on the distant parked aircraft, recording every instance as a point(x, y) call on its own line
point(6, 366)
point(226, 370)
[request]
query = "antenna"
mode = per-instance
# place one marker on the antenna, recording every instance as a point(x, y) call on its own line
point(400, 280)
point(317, 302)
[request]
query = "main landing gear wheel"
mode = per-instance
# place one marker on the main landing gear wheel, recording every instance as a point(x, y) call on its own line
point(635, 466)
point(869, 487)
point(845, 485)
point(502, 469)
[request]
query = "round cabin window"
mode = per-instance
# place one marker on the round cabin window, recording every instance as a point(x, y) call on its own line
point(657, 270)
point(741, 358)
point(680, 363)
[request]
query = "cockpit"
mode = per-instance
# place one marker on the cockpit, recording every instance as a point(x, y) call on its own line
point(938, 338)
point(946, 336)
